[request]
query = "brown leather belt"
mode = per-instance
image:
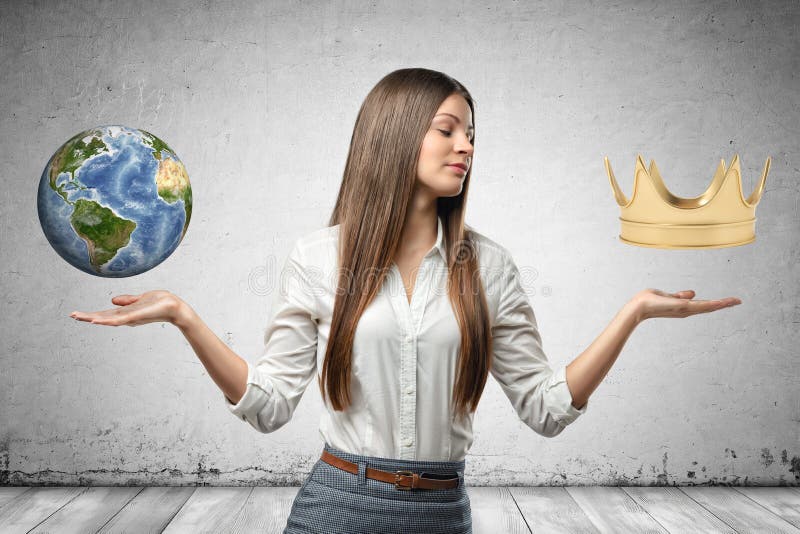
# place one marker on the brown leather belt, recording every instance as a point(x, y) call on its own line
point(402, 480)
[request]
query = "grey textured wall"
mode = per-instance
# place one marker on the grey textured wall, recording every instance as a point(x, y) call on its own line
point(259, 101)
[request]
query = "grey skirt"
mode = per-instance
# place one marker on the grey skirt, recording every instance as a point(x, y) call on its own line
point(333, 501)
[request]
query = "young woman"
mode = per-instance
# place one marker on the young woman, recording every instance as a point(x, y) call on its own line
point(401, 311)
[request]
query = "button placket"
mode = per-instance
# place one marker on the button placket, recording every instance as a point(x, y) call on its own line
point(407, 365)
point(408, 403)
point(411, 321)
point(420, 296)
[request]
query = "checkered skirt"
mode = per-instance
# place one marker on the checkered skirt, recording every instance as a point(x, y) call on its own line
point(333, 501)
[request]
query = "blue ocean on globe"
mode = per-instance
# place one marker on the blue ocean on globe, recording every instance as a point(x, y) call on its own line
point(114, 201)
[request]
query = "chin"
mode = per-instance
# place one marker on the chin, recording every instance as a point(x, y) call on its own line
point(449, 186)
point(450, 191)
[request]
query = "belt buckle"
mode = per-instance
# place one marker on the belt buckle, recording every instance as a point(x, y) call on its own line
point(397, 476)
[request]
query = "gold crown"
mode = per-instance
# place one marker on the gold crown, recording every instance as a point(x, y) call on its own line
point(720, 217)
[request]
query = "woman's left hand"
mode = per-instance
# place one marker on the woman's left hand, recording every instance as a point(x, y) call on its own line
point(652, 303)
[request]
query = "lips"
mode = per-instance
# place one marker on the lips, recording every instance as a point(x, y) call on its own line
point(461, 166)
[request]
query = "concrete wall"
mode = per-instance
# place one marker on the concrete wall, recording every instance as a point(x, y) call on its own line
point(259, 100)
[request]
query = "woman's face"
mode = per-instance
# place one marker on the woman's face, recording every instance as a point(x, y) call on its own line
point(447, 143)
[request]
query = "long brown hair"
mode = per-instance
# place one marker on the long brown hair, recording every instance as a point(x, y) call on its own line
point(376, 189)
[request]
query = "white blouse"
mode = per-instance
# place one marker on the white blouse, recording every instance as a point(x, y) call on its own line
point(404, 356)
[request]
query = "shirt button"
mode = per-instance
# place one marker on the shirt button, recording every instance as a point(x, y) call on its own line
point(410, 390)
point(408, 442)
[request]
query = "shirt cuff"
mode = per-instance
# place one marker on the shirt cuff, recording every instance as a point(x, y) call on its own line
point(253, 400)
point(559, 399)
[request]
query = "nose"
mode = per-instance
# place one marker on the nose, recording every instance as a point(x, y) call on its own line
point(464, 146)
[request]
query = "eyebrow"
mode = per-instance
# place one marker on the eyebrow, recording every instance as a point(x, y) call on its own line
point(456, 118)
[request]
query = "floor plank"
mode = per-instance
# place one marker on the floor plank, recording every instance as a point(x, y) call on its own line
point(150, 510)
point(551, 509)
point(9, 493)
point(34, 506)
point(265, 511)
point(612, 510)
point(740, 512)
point(494, 510)
point(89, 511)
point(209, 509)
point(783, 502)
point(675, 511)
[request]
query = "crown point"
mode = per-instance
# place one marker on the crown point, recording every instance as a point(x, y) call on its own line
point(707, 221)
point(735, 165)
point(640, 164)
point(622, 200)
point(755, 196)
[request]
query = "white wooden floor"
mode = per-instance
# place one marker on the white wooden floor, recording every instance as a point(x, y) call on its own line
point(494, 509)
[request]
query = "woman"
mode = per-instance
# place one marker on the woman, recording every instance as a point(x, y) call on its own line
point(401, 311)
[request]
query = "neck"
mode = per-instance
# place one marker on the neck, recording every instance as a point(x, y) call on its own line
point(420, 225)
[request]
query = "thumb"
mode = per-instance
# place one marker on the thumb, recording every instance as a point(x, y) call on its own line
point(685, 294)
point(124, 300)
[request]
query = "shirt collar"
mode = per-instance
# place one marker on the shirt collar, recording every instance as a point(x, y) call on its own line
point(440, 240)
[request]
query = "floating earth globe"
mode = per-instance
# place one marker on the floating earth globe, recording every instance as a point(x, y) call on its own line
point(114, 201)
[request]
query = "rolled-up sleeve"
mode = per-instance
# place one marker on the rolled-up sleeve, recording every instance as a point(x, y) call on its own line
point(278, 379)
point(539, 395)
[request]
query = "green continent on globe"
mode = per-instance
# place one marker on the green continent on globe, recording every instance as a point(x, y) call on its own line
point(172, 183)
point(72, 155)
point(155, 143)
point(103, 231)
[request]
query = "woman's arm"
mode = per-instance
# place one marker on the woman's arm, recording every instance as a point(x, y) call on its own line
point(266, 393)
point(586, 371)
point(225, 367)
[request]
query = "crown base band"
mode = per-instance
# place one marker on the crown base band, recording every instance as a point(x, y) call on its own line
point(687, 236)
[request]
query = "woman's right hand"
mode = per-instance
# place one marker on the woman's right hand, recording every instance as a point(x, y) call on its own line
point(135, 310)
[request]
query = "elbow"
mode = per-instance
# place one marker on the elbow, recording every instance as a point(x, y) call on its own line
point(265, 428)
point(554, 430)
point(547, 427)
point(271, 417)
point(264, 424)
point(265, 412)
point(552, 412)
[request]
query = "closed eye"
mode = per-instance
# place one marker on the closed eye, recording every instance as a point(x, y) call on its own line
point(447, 133)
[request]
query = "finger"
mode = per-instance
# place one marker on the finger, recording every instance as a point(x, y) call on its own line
point(88, 316)
point(106, 322)
point(705, 306)
point(85, 317)
point(94, 319)
point(661, 293)
point(729, 301)
point(123, 300)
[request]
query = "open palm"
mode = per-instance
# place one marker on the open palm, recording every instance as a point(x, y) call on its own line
point(655, 303)
point(134, 310)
